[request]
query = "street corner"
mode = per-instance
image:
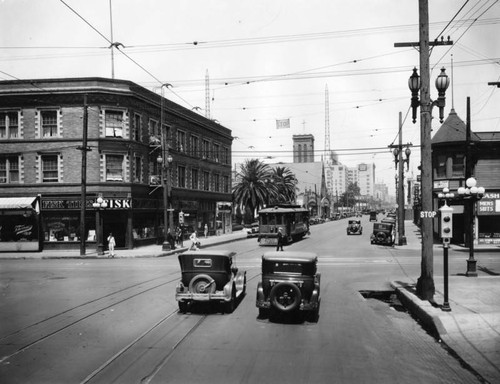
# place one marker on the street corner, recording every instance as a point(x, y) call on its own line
point(424, 310)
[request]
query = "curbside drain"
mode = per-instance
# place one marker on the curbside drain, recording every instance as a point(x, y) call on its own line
point(389, 297)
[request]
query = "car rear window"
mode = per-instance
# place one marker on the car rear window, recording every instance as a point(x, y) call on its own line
point(285, 267)
point(202, 263)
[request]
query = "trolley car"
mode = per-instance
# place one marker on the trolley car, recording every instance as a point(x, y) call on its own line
point(293, 219)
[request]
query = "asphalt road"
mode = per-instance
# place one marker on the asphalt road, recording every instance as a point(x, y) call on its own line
point(116, 321)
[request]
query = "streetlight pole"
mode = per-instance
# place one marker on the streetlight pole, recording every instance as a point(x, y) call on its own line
point(471, 193)
point(99, 204)
point(425, 283)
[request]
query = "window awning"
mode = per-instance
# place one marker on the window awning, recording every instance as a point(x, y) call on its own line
point(20, 203)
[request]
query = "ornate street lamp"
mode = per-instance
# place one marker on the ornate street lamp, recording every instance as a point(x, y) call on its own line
point(400, 194)
point(442, 84)
point(165, 182)
point(99, 204)
point(414, 85)
point(471, 193)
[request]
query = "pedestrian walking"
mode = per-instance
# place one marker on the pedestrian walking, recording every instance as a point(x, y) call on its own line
point(195, 243)
point(170, 239)
point(111, 245)
point(205, 231)
point(179, 234)
point(281, 238)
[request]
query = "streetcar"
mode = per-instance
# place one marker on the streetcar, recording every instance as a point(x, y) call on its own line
point(293, 219)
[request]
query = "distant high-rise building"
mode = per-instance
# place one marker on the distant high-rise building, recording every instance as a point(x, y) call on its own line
point(303, 148)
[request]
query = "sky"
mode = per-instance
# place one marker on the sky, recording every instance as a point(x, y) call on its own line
point(269, 60)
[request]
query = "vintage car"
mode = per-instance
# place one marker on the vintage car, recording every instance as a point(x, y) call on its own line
point(373, 215)
point(209, 276)
point(252, 230)
point(383, 233)
point(354, 227)
point(290, 284)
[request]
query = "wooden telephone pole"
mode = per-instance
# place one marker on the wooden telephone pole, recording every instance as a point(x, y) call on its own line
point(425, 283)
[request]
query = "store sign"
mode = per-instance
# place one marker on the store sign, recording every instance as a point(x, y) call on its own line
point(57, 204)
point(488, 206)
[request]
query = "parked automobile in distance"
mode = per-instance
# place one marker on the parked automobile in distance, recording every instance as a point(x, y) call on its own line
point(373, 215)
point(383, 233)
point(209, 276)
point(354, 227)
point(290, 284)
point(252, 230)
point(389, 220)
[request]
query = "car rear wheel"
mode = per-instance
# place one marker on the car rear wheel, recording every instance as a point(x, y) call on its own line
point(202, 284)
point(285, 297)
point(381, 236)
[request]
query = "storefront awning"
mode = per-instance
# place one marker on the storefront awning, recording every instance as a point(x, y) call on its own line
point(20, 203)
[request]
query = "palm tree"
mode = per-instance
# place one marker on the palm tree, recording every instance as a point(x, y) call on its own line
point(253, 187)
point(286, 183)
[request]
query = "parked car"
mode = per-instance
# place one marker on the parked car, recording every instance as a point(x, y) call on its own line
point(354, 227)
point(373, 215)
point(209, 276)
point(290, 284)
point(252, 229)
point(383, 233)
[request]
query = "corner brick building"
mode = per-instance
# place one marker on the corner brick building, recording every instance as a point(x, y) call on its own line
point(42, 126)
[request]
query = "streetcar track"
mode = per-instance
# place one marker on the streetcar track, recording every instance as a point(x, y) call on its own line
point(81, 318)
point(164, 360)
point(77, 307)
point(126, 348)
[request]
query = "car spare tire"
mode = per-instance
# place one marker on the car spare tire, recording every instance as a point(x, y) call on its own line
point(285, 297)
point(202, 284)
point(381, 236)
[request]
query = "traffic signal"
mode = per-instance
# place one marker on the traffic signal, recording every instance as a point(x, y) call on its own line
point(446, 222)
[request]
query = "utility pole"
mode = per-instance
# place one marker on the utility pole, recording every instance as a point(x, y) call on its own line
point(83, 202)
point(425, 283)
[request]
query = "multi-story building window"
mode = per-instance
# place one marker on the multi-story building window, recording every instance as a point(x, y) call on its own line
point(181, 176)
point(216, 154)
point(181, 141)
point(441, 166)
point(225, 180)
point(195, 146)
point(458, 165)
point(136, 129)
point(206, 181)
point(114, 168)
point(194, 179)
point(216, 183)
point(138, 169)
point(205, 149)
point(9, 125)
point(49, 123)
point(113, 123)
point(225, 155)
point(50, 168)
point(9, 170)
point(154, 129)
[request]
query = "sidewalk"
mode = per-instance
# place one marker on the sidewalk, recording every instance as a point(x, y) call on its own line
point(146, 251)
point(472, 329)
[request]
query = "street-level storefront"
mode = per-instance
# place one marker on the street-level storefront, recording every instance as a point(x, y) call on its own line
point(133, 222)
point(488, 218)
point(194, 215)
point(20, 224)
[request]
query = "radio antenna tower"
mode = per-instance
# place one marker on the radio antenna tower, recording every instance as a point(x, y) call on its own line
point(327, 122)
point(207, 96)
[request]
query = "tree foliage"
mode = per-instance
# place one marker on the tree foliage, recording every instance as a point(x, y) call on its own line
point(257, 185)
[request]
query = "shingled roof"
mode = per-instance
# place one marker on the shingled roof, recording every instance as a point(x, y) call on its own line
point(452, 130)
